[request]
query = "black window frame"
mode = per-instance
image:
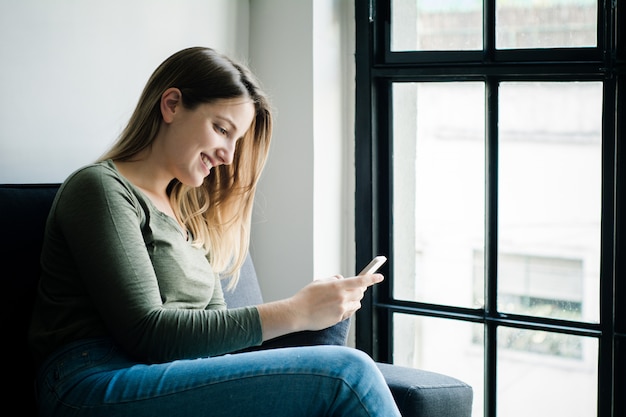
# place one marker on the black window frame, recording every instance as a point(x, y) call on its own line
point(377, 68)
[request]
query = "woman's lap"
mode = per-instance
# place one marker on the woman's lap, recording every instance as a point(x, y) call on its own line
point(96, 379)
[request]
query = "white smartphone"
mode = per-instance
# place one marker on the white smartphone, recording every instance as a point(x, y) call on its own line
point(373, 266)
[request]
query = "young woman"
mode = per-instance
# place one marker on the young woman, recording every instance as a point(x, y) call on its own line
point(130, 318)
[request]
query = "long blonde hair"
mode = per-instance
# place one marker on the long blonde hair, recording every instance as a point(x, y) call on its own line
point(218, 213)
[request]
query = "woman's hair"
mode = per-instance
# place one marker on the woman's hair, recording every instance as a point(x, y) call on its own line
point(218, 213)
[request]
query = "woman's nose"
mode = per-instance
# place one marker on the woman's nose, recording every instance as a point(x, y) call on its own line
point(227, 154)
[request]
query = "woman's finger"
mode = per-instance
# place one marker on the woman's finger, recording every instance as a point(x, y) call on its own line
point(362, 280)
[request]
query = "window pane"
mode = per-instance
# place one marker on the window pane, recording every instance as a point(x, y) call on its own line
point(546, 24)
point(549, 199)
point(438, 206)
point(436, 25)
point(444, 346)
point(556, 372)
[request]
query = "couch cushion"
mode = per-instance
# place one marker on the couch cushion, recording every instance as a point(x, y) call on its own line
point(247, 291)
point(427, 394)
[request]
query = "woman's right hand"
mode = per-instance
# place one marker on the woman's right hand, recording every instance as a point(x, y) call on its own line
point(319, 305)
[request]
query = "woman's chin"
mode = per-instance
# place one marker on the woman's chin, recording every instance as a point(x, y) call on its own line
point(195, 181)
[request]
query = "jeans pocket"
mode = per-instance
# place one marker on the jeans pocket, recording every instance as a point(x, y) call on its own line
point(75, 362)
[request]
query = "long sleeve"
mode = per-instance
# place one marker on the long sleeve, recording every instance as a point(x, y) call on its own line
point(114, 265)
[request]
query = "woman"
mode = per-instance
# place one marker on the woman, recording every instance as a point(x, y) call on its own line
point(130, 318)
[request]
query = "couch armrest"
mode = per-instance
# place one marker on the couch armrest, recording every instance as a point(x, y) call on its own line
point(421, 393)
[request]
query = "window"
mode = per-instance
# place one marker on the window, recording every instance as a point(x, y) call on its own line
point(490, 171)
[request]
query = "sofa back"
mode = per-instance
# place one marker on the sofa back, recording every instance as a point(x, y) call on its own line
point(23, 212)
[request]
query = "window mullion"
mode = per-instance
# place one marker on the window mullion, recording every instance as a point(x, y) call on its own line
point(619, 277)
point(489, 29)
point(491, 242)
point(365, 331)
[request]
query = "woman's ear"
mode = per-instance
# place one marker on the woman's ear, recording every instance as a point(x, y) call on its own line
point(171, 99)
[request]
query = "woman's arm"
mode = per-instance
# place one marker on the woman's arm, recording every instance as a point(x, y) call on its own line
point(317, 306)
point(103, 225)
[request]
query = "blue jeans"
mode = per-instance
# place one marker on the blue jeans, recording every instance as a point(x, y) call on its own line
point(95, 378)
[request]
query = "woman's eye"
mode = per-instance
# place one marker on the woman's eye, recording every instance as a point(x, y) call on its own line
point(221, 130)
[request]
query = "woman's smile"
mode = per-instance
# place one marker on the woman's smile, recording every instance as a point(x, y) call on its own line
point(207, 163)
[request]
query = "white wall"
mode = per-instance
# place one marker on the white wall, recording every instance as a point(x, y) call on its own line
point(73, 70)
point(303, 52)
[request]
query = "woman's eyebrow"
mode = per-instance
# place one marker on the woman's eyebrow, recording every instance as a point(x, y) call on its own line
point(227, 121)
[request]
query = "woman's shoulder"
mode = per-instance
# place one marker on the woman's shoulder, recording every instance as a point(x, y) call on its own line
point(102, 173)
point(99, 178)
point(92, 189)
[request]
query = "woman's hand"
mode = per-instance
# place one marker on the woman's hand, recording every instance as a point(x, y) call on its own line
point(317, 306)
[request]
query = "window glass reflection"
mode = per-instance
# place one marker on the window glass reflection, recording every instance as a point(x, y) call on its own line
point(439, 181)
point(546, 23)
point(557, 371)
point(436, 25)
point(549, 199)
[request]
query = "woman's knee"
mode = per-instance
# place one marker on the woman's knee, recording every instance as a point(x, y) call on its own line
point(348, 355)
point(349, 364)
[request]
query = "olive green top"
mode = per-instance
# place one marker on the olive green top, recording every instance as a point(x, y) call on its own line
point(113, 265)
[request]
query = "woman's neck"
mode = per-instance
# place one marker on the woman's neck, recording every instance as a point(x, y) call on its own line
point(149, 181)
point(143, 172)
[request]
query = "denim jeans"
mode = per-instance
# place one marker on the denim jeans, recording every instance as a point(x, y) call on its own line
point(95, 378)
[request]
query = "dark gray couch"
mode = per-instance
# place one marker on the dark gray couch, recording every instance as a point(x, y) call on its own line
point(23, 212)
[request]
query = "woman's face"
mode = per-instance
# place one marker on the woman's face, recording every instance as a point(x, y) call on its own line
point(197, 140)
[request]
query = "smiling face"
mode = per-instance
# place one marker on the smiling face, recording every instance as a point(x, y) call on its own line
point(194, 141)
